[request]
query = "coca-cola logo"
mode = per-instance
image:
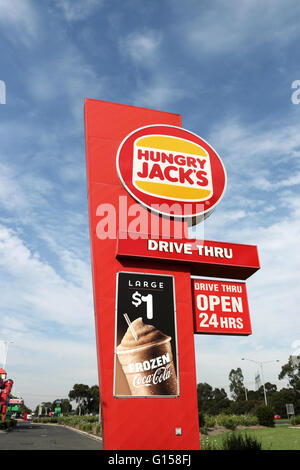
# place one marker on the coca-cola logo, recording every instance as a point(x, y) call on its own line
point(160, 375)
point(149, 364)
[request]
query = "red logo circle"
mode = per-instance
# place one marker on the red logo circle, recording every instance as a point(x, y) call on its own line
point(171, 171)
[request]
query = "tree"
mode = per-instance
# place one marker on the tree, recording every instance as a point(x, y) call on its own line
point(265, 415)
point(24, 409)
point(43, 408)
point(46, 407)
point(211, 401)
point(204, 394)
point(244, 406)
point(280, 399)
point(80, 393)
point(93, 402)
point(236, 386)
point(86, 397)
point(259, 394)
point(221, 399)
point(291, 372)
point(270, 388)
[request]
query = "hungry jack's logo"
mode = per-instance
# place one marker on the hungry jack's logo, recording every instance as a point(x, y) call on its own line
point(163, 166)
point(166, 166)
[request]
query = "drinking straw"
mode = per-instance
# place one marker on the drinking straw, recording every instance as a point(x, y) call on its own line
point(130, 326)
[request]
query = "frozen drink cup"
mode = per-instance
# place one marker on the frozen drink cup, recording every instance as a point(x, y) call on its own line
point(147, 361)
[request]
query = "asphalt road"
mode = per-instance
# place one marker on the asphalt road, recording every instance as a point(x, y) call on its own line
point(30, 436)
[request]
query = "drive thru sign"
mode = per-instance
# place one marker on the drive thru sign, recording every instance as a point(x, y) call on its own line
point(221, 307)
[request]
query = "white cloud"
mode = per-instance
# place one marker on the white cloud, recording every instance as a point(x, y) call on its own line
point(259, 161)
point(22, 192)
point(158, 93)
point(78, 10)
point(11, 197)
point(159, 88)
point(65, 76)
point(19, 20)
point(44, 294)
point(226, 27)
point(262, 182)
point(142, 47)
point(252, 142)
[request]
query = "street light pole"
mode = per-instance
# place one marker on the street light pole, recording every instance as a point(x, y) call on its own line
point(262, 374)
point(263, 381)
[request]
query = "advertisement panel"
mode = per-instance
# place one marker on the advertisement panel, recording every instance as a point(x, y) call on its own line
point(16, 401)
point(221, 307)
point(146, 362)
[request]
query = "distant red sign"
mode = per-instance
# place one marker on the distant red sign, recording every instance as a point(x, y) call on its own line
point(16, 401)
point(221, 307)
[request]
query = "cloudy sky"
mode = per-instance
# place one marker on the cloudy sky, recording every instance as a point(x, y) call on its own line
point(228, 69)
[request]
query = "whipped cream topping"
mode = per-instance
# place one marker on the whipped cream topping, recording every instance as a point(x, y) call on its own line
point(146, 334)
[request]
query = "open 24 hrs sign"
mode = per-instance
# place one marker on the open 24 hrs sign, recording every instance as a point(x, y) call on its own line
point(221, 307)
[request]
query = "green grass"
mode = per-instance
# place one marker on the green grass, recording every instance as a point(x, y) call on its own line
point(281, 437)
point(88, 424)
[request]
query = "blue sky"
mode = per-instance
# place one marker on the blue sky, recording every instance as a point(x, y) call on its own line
point(227, 68)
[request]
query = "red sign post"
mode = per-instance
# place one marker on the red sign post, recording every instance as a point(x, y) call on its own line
point(136, 422)
point(146, 178)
